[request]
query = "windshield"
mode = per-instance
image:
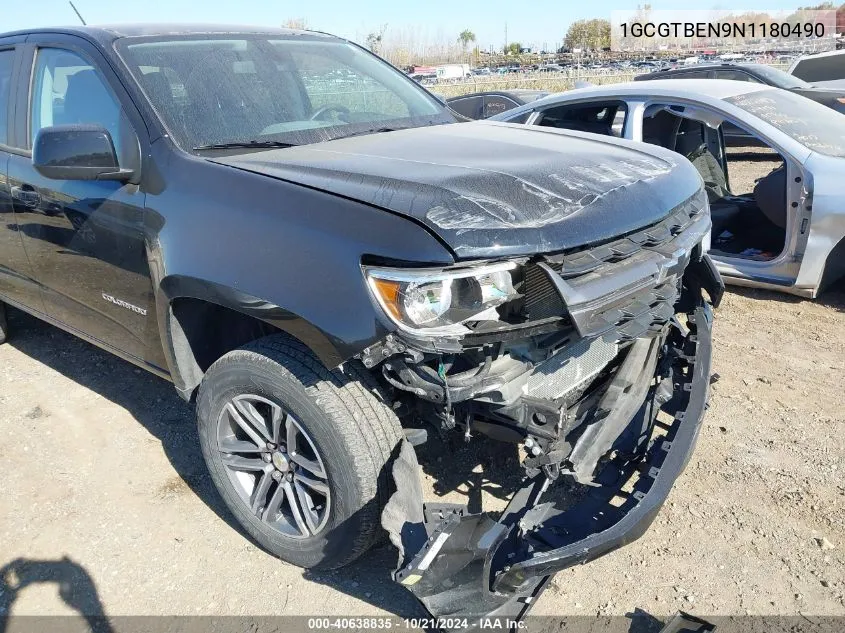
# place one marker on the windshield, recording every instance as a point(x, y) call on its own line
point(813, 125)
point(266, 90)
point(780, 79)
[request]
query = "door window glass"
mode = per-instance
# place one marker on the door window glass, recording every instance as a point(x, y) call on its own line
point(467, 106)
point(735, 75)
point(494, 105)
point(604, 118)
point(67, 89)
point(690, 74)
point(6, 59)
point(521, 118)
point(826, 68)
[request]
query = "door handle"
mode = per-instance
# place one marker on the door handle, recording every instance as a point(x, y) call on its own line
point(27, 196)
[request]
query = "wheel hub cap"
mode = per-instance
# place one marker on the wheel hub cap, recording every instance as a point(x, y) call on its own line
point(281, 462)
point(274, 466)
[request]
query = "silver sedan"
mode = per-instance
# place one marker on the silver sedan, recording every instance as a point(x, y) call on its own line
point(776, 188)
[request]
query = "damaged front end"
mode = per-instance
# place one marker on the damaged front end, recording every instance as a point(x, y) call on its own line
point(596, 361)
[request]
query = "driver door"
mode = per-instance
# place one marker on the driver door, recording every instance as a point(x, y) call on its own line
point(85, 239)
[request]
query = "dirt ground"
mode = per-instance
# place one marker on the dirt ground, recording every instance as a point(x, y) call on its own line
point(104, 491)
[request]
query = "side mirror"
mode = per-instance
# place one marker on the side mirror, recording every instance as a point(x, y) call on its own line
point(77, 152)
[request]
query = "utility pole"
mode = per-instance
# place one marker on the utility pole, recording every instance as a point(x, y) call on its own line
point(505, 47)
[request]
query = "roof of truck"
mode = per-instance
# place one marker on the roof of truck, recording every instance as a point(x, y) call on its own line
point(110, 32)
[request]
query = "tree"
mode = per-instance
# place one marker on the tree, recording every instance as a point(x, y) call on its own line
point(514, 48)
point(466, 37)
point(829, 6)
point(589, 34)
point(375, 39)
point(295, 23)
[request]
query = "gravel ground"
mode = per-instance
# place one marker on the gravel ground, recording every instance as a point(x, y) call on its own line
point(746, 165)
point(104, 491)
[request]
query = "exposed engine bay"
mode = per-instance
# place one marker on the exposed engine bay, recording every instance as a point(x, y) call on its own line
point(597, 363)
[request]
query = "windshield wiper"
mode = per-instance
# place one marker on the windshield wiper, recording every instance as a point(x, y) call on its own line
point(245, 144)
point(374, 130)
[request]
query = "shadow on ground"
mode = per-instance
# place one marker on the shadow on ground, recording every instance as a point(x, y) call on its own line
point(75, 587)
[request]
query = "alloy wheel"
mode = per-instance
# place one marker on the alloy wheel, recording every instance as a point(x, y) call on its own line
point(274, 466)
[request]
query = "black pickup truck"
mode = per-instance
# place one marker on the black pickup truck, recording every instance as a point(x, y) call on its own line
point(311, 248)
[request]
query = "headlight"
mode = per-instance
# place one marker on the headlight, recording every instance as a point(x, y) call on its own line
point(437, 301)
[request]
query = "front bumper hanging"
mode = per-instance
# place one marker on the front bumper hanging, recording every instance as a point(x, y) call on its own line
point(469, 566)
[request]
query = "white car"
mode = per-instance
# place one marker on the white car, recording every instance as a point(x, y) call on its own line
point(778, 204)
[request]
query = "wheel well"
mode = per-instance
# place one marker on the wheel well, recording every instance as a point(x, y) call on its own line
point(201, 332)
point(834, 266)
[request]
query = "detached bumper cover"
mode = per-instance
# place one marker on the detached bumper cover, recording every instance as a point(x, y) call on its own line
point(666, 461)
point(471, 567)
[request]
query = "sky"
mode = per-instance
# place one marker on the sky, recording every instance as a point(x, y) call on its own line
point(536, 23)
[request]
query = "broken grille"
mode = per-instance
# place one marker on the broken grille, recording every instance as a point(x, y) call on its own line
point(589, 285)
point(641, 314)
point(571, 265)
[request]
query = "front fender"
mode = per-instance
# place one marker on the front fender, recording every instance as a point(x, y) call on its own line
point(282, 253)
point(184, 372)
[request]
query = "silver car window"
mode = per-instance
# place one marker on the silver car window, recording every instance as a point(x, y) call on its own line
point(813, 125)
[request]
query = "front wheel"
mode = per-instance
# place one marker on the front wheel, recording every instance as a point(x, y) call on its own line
point(300, 454)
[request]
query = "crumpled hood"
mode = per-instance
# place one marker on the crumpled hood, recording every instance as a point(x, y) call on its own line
point(494, 189)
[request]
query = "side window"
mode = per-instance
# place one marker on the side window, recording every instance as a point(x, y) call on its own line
point(735, 75)
point(749, 160)
point(467, 106)
point(605, 118)
point(825, 68)
point(67, 89)
point(495, 104)
point(7, 58)
point(691, 74)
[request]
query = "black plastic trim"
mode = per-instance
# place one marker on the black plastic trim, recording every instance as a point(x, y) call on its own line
point(633, 524)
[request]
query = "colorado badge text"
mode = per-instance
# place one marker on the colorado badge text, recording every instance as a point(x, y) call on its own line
point(124, 304)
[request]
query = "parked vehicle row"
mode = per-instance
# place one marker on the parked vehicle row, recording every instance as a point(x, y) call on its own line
point(314, 251)
point(599, 66)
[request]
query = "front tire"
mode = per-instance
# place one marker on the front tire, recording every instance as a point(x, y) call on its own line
point(300, 454)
